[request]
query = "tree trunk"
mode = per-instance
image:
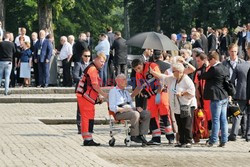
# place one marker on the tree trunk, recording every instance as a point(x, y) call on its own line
point(2, 13)
point(126, 20)
point(158, 16)
point(45, 16)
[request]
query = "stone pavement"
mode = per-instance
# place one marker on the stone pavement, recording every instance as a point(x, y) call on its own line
point(25, 141)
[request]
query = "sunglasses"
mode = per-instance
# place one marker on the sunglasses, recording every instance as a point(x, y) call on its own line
point(86, 55)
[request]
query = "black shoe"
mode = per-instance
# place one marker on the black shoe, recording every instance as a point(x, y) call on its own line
point(152, 142)
point(90, 143)
point(143, 139)
point(181, 145)
point(136, 139)
point(231, 138)
point(222, 145)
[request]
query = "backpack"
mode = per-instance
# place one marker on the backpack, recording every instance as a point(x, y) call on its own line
point(200, 125)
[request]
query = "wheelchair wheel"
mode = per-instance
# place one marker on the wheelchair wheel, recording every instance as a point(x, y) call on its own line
point(127, 142)
point(112, 142)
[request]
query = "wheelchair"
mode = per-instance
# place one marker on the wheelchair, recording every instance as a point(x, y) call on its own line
point(116, 127)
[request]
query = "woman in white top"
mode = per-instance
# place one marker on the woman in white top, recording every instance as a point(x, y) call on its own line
point(182, 92)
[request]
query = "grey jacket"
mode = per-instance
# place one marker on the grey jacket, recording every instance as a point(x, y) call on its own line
point(239, 78)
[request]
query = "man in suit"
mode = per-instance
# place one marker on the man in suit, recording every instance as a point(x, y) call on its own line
point(231, 63)
point(239, 79)
point(34, 39)
point(42, 55)
point(78, 49)
point(211, 39)
point(214, 91)
point(90, 41)
point(120, 58)
point(248, 99)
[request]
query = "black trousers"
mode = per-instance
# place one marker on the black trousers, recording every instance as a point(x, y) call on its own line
point(36, 74)
point(121, 68)
point(67, 79)
point(78, 118)
point(185, 126)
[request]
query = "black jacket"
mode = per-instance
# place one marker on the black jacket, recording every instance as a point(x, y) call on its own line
point(248, 85)
point(78, 49)
point(214, 87)
point(7, 50)
point(211, 42)
point(120, 48)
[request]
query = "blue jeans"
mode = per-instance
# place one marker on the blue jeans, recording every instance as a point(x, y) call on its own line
point(5, 68)
point(219, 120)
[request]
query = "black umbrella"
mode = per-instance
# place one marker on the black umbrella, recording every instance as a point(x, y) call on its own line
point(152, 40)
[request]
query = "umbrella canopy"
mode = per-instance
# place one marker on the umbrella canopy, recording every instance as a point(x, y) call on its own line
point(152, 40)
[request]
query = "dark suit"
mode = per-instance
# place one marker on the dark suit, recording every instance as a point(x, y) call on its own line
point(248, 110)
point(45, 48)
point(78, 49)
point(35, 65)
point(240, 75)
point(214, 89)
point(204, 43)
point(120, 58)
point(197, 44)
point(211, 39)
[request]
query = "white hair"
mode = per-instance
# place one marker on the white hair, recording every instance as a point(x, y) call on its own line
point(120, 76)
point(179, 67)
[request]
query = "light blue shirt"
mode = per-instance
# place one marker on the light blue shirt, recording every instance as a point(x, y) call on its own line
point(117, 97)
point(248, 36)
point(103, 46)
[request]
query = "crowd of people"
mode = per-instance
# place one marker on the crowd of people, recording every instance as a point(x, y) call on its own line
point(168, 86)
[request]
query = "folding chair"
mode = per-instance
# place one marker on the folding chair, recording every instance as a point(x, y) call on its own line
point(116, 127)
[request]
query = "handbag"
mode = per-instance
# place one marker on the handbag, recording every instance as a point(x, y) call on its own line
point(233, 109)
point(185, 110)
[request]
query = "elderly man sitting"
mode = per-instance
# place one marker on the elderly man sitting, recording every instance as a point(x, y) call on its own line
point(120, 102)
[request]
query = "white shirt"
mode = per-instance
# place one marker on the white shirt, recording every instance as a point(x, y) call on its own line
point(1, 33)
point(117, 97)
point(26, 39)
point(185, 85)
point(66, 51)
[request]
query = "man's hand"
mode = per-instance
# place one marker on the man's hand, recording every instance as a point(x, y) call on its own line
point(35, 60)
point(47, 60)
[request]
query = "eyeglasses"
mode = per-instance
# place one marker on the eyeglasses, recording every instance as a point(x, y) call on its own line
point(86, 55)
point(175, 71)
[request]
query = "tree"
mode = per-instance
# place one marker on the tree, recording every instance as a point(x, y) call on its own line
point(2, 13)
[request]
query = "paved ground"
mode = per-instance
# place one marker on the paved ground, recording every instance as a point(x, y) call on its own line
point(25, 141)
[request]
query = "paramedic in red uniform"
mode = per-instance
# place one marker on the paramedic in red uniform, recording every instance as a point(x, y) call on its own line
point(88, 94)
point(150, 88)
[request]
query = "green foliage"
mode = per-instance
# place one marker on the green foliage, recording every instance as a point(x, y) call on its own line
point(75, 16)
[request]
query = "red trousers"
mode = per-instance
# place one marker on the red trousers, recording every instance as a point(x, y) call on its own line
point(87, 111)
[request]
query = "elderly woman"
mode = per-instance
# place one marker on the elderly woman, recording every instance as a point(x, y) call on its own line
point(182, 92)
